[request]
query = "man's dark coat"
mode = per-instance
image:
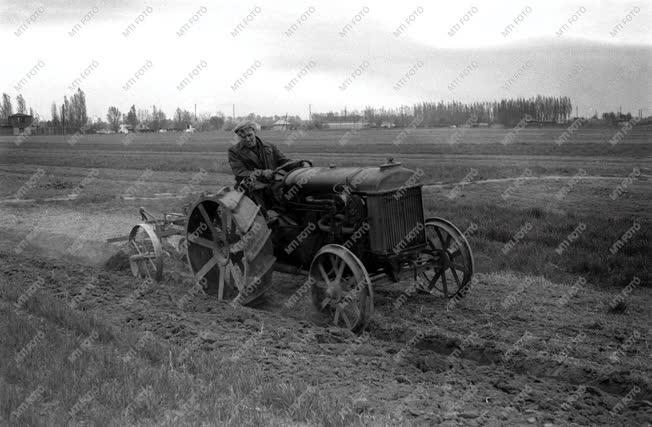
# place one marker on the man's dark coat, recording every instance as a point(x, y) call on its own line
point(244, 160)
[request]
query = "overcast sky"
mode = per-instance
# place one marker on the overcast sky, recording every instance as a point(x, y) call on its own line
point(599, 66)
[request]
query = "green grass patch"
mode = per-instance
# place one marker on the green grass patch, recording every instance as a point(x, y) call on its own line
point(72, 367)
point(588, 255)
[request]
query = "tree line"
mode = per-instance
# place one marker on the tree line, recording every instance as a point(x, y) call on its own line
point(433, 114)
point(156, 119)
point(71, 115)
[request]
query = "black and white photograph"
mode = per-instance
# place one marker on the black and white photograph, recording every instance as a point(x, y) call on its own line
point(339, 213)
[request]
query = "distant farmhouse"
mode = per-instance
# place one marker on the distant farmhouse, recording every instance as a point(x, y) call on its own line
point(141, 127)
point(280, 124)
point(541, 123)
point(347, 125)
point(16, 124)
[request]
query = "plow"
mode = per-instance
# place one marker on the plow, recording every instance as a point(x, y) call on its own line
point(151, 241)
point(350, 231)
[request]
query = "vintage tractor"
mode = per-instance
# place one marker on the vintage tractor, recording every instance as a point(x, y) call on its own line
point(348, 229)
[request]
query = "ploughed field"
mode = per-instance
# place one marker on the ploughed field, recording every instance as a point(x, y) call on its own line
point(554, 330)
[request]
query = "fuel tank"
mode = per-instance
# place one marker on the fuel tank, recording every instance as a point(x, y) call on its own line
point(368, 180)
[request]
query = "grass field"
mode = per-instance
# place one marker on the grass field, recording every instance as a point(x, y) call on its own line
point(293, 371)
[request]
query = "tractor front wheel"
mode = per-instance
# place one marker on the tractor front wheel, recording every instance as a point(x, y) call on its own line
point(341, 287)
point(448, 258)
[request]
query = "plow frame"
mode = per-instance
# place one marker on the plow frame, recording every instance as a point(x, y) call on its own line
point(149, 241)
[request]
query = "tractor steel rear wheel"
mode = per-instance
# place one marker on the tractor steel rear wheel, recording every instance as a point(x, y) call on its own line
point(449, 261)
point(341, 287)
point(228, 246)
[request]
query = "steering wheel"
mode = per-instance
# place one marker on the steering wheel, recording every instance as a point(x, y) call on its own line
point(287, 167)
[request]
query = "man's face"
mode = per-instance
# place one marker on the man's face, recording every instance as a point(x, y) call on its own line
point(248, 136)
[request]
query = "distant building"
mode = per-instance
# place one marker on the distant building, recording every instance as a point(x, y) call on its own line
point(20, 121)
point(16, 124)
point(346, 125)
point(143, 128)
point(280, 124)
point(541, 123)
point(622, 121)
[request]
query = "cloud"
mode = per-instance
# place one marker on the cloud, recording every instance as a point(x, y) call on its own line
point(350, 47)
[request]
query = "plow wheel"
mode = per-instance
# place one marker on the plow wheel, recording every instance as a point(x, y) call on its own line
point(145, 252)
point(341, 287)
point(228, 246)
point(449, 261)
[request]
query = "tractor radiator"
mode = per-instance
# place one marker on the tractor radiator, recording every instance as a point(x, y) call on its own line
point(395, 221)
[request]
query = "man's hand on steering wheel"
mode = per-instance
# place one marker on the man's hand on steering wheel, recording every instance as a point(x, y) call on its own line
point(291, 165)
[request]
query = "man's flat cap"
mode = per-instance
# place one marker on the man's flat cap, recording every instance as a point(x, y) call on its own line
point(246, 124)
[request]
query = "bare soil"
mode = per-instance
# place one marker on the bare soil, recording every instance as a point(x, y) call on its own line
point(509, 353)
point(519, 349)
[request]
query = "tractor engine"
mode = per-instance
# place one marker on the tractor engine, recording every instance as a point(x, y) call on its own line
point(375, 210)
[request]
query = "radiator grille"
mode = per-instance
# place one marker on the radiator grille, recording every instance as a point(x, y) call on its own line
point(395, 223)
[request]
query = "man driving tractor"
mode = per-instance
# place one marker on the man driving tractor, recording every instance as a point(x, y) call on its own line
point(253, 163)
